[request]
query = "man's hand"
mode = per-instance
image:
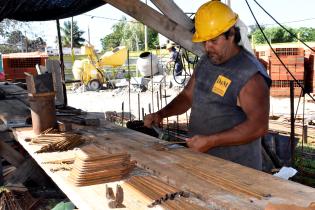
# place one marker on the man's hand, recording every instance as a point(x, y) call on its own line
point(200, 143)
point(152, 119)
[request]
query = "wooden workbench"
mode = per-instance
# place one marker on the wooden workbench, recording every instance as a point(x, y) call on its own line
point(168, 166)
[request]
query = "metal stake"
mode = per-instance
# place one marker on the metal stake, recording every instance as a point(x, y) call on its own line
point(167, 126)
point(122, 114)
point(157, 100)
point(152, 83)
point(139, 106)
point(129, 76)
point(292, 134)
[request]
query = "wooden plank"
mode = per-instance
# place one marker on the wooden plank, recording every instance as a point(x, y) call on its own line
point(167, 166)
point(10, 154)
point(14, 112)
point(53, 66)
point(39, 84)
point(89, 197)
point(23, 172)
point(159, 22)
point(14, 92)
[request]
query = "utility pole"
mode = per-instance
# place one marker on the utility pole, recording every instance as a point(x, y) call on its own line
point(71, 44)
point(25, 41)
point(229, 3)
point(89, 38)
point(146, 34)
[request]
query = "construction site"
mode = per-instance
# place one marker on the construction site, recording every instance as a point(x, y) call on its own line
point(108, 131)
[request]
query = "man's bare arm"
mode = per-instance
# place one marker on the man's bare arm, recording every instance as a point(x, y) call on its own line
point(254, 100)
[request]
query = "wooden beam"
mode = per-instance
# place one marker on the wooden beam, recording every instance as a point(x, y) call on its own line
point(23, 172)
point(10, 154)
point(159, 22)
point(53, 66)
point(173, 12)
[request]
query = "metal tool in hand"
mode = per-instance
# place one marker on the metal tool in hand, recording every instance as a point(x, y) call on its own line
point(158, 131)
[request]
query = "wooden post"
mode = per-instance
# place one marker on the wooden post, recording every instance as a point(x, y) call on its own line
point(62, 66)
point(305, 134)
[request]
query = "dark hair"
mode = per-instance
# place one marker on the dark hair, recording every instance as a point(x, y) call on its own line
point(236, 33)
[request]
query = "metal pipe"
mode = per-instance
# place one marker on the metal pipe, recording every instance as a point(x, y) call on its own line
point(292, 134)
point(139, 106)
point(152, 82)
point(43, 112)
point(187, 124)
point(157, 100)
point(161, 102)
point(122, 113)
point(142, 113)
point(150, 108)
point(129, 76)
point(167, 126)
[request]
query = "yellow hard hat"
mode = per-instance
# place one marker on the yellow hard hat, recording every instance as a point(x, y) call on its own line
point(212, 19)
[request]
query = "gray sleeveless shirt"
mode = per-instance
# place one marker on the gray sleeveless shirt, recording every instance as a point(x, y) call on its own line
point(214, 107)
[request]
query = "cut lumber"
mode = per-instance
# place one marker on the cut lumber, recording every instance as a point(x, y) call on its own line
point(94, 166)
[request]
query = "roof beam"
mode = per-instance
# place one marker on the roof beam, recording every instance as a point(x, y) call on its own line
point(173, 12)
point(159, 23)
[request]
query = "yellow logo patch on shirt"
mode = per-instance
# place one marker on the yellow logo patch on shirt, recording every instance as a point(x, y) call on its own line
point(221, 85)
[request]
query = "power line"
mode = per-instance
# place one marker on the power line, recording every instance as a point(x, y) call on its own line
point(293, 21)
point(113, 19)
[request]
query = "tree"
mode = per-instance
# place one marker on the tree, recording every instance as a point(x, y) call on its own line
point(37, 44)
point(6, 48)
point(130, 34)
point(16, 38)
point(279, 35)
point(77, 34)
point(114, 39)
point(306, 34)
point(10, 25)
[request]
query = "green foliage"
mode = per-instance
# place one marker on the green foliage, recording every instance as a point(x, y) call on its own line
point(15, 37)
point(37, 44)
point(5, 49)
point(77, 34)
point(8, 25)
point(129, 34)
point(279, 35)
point(16, 40)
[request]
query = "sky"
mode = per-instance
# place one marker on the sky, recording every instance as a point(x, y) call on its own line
point(291, 13)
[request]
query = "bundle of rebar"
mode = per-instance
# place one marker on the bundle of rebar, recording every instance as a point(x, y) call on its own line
point(93, 165)
point(155, 192)
point(57, 142)
point(224, 183)
point(8, 201)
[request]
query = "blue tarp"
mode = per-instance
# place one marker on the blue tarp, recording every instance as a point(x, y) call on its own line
point(41, 10)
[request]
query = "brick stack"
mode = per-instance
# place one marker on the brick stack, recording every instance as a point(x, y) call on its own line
point(293, 58)
point(309, 73)
point(15, 64)
point(311, 77)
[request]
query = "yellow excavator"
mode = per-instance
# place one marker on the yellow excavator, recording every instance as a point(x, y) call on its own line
point(91, 71)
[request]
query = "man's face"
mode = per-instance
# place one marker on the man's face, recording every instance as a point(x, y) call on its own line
point(219, 49)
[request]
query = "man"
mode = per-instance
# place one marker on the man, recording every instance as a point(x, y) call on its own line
point(228, 92)
point(176, 58)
